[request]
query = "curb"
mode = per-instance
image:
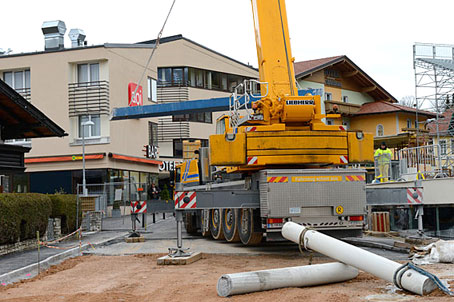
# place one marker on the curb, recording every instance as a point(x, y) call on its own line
point(31, 270)
point(366, 243)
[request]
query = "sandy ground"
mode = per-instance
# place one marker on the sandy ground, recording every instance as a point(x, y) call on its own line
point(139, 278)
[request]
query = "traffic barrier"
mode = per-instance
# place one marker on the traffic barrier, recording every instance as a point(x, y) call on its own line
point(380, 222)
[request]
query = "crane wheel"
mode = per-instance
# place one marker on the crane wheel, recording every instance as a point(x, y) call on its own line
point(205, 223)
point(216, 224)
point(246, 228)
point(229, 224)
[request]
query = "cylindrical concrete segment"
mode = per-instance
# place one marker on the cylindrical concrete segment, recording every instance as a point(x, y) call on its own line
point(357, 257)
point(298, 276)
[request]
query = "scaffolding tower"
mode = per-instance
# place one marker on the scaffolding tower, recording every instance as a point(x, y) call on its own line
point(434, 90)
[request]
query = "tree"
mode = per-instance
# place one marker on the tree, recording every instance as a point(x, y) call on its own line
point(165, 194)
point(409, 101)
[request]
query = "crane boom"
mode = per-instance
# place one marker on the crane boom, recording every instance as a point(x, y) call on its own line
point(274, 53)
point(288, 129)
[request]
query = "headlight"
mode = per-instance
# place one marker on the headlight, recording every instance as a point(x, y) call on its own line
point(359, 135)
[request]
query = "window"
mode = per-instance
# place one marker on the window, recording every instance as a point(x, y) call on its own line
point(443, 147)
point(152, 90)
point(18, 80)
point(201, 117)
point(345, 99)
point(416, 124)
point(165, 76)
point(90, 131)
point(409, 123)
point(152, 134)
point(329, 121)
point(224, 85)
point(177, 76)
point(87, 73)
point(328, 96)
point(200, 78)
point(380, 130)
point(178, 148)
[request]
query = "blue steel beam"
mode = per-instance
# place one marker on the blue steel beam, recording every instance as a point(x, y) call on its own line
point(185, 107)
point(177, 108)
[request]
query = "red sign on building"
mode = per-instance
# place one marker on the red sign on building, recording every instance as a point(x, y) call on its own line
point(137, 99)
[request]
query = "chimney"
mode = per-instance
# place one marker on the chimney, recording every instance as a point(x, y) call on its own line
point(54, 34)
point(77, 37)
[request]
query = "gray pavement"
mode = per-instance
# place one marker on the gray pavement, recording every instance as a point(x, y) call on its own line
point(159, 236)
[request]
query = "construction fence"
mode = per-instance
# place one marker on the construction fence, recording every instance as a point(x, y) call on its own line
point(105, 205)
point(411, 164)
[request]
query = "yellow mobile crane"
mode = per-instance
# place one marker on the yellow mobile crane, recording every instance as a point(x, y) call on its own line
point(283, 160)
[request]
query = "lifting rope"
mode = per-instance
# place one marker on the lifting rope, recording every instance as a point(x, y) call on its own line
point(432, 277)
point(154, 49)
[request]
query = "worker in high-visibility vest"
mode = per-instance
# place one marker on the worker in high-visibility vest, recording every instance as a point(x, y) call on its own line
point(383, 160)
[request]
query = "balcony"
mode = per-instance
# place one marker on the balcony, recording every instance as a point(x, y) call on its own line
point(88, 98)
point(173, 94)
point(25, 93)
point(168, 129)
point(345, 109)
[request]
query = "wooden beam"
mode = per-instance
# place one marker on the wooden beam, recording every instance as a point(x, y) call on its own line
point(369, 89)
point(349, 74)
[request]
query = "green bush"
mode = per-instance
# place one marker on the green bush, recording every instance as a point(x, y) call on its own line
point(165, 195)
point(64, 206)
point(22, 214)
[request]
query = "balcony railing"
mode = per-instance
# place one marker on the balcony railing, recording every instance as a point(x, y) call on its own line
point(341, 107)
point(168, 130)
point(26, 93)
point(88, 98)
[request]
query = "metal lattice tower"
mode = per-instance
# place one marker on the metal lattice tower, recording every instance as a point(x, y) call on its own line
point(434, 91)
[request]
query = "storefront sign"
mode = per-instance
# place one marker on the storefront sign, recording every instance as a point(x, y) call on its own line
point(167, 166)
point(151, 151)
point(137, 98)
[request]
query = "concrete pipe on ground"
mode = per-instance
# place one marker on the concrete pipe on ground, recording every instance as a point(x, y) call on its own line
point(298, 276)
point(378, 266)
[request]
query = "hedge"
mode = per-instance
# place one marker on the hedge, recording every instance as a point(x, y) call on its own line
point(64, 207)
point(22, 214)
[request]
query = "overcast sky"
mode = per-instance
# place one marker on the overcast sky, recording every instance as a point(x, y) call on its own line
point(377, 35)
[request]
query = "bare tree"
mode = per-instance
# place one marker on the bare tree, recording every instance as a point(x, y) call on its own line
point(409, 101)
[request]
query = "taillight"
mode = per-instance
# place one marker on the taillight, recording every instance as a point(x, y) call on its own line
point(356, 218)
point(274, 220)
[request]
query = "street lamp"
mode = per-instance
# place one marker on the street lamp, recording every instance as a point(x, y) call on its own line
point(84, 183)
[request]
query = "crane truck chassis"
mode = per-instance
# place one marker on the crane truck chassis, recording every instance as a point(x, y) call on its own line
point(330, 200)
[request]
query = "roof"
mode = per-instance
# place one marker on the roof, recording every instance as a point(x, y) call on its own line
point(20, 119)
point(180, 37)
point(387, 107)
point(440, 63)
point(443, 123)
point(105, 45)
point(305, 69)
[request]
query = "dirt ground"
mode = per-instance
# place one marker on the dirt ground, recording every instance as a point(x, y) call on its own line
point(139, 278)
